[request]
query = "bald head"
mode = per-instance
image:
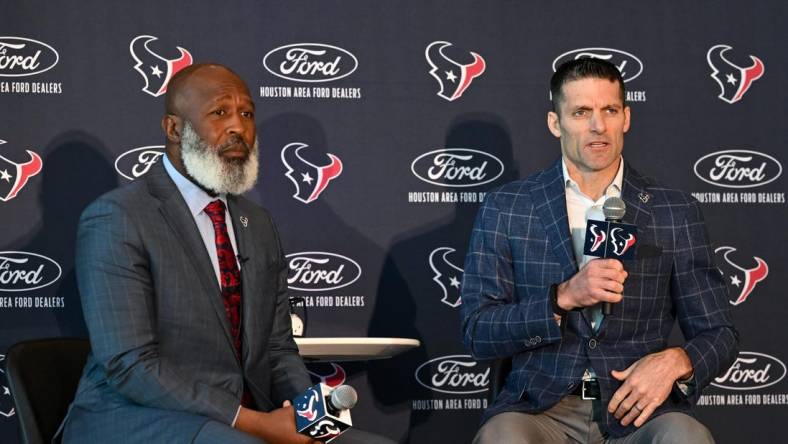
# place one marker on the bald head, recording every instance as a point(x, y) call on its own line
point(179, 85)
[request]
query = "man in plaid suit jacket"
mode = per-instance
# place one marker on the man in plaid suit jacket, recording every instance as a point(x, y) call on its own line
point(528, 294)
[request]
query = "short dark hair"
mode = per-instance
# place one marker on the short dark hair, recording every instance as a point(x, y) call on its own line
point(584, 68)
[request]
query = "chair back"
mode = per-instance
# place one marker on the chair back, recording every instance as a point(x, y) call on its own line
point(43, 375)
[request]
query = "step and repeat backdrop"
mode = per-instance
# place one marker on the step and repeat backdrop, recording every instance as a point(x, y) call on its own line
point(382, 125)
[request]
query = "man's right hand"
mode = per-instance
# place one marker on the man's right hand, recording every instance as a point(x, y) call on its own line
point(275, 427)
point(600, 280)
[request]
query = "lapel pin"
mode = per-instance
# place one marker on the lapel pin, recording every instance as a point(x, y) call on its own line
point(644, 197)
point(244, 221)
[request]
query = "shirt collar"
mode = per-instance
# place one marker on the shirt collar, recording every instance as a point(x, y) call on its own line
point(196, 198)
point(614, 189)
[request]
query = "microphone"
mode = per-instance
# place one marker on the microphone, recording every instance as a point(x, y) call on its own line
point(614, 209)
point(323, 413)
point(343, 397)
point(241, 258)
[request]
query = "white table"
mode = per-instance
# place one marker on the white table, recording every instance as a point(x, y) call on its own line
point(353, 349)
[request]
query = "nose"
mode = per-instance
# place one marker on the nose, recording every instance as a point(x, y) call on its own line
point(235, 124)
point(597, 123)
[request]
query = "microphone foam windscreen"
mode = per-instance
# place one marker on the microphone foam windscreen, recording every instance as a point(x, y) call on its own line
point(344, 397)
point(614, 208)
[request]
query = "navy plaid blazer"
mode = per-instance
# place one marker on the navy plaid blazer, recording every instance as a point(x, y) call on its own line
point(521, 245)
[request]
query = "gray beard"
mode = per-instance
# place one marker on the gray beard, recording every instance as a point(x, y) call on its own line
point(208, 168)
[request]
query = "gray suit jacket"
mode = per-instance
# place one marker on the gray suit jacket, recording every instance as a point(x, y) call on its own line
point(162, 360)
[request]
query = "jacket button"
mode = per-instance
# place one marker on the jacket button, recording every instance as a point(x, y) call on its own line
point(538, 339)
point(592, 343)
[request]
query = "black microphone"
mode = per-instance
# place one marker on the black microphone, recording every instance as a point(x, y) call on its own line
point(241, 258)
point(614, 209)
point(323, 413)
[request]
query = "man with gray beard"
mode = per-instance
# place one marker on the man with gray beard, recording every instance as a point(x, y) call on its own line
point(183, 287)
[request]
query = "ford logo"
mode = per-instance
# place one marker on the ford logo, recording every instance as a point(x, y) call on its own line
point(457, 374)
point(738, 168)
point(135, 162)
point(457, 167)
point(23, 271)
point(310, 62)
point(20, 57)
point(629, 65)
point(320, 271)
point(751, 371)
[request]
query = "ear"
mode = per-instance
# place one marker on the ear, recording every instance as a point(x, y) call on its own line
point(172, 126)
point(626, 118)
point(554, 124)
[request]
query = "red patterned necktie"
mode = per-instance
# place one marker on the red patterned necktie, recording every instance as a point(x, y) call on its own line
point(230, 277)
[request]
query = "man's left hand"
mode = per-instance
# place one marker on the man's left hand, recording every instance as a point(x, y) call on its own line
point(647, 383)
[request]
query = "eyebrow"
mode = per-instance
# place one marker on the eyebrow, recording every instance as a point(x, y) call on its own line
point(229, 97)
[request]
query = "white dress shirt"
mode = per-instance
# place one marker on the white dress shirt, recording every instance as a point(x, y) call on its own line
point(197, 199)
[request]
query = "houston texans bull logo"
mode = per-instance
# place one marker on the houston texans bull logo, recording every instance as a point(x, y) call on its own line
point(739, 279)
point(453, 77)
point(447, 275)
point(14, 176)
point(599, 237)
point(155, 69)
point(734, 80)
point(307, 407)
point(621, 240)
point(330, 374)
point(6, 402)
point(309, 179)
point(326, 428)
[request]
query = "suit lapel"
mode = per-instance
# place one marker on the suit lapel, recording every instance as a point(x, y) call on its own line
point(549, 198)
point(637, 198)
point(175, 211)
point(249, 278)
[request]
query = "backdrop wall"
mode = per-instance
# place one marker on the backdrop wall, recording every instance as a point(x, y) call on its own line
point(426, 105)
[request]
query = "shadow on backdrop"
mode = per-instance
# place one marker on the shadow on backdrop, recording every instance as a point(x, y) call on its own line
point(409, 301)
point(76, 171)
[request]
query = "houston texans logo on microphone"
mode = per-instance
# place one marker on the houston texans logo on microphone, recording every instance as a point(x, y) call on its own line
point(333, 377)
point(155, 69)
point(453, 77)
point(741, 281)
point(325, 429)
point(308, 407)
point(598, 238)
point(733, 80)
point(309, 179)
point(447, 275)
point(621, 240)
point(14, 176)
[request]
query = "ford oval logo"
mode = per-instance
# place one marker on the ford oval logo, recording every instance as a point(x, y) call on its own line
point(24, 271)
point(320, 271)
point(137, 161)
point(629, 65)
point(20, 57)
point(310, 62)
point(457, 167)
point(751, 371)
point(457, 374)
point(738, 168)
